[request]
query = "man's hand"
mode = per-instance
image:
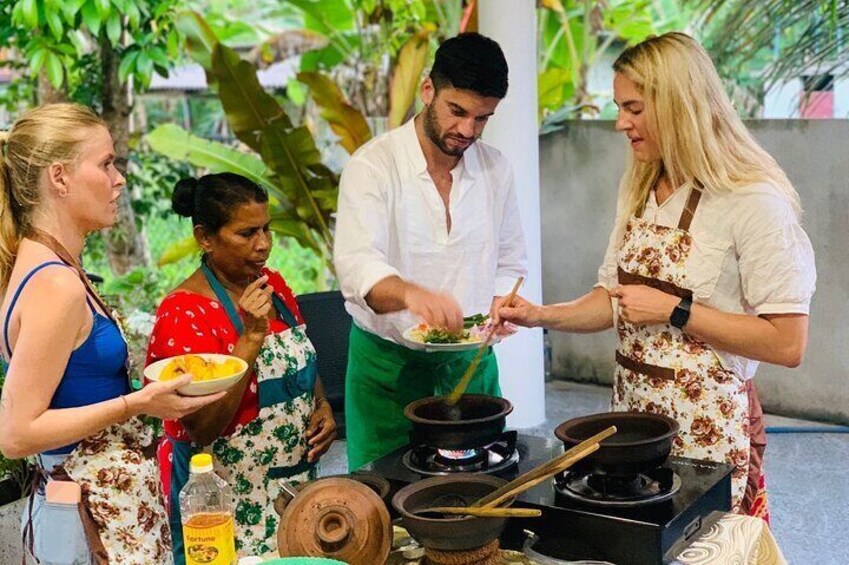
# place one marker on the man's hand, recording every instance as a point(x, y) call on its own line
point(644, 306)
point(439, 310)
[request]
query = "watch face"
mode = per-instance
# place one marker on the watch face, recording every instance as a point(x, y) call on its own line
point(680, 315)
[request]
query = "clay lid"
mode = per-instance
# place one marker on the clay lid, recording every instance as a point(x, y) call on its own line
point(337, 518)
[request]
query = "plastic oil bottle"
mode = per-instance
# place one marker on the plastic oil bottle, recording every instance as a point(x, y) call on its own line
point(206, 509)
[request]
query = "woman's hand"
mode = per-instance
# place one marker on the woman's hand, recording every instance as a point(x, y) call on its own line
point(521, 313)
point(644, 306)
point(256, 304)
point(161, 399)
point(321, 431)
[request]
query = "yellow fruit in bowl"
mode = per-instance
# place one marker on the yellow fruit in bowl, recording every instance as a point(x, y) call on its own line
point(199, 368)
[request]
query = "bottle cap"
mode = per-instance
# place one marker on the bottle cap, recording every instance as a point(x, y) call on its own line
point(201, 463)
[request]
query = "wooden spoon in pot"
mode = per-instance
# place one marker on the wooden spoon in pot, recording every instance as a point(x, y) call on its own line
point(483, 512)
point(451, 400)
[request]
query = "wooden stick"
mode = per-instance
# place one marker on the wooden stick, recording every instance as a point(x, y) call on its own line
point(485, 512)
point(454, 397)
point(528, 484)
point(543, 470)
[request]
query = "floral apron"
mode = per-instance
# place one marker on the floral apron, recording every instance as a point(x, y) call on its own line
point(661, 369)
point(122, 508)
point(271, 447)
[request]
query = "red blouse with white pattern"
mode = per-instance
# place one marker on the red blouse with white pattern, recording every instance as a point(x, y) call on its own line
point(187, 322)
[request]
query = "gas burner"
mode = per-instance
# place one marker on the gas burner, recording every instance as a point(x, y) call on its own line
point(650, 487)
point(464, 456)
point(489, 459)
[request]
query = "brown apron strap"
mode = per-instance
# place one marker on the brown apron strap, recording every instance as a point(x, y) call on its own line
point(39, 476)
point(92, 533)
point(625, 277)
point(757, 444)
point(690, 209)
point(56, 247)
point(652, 371)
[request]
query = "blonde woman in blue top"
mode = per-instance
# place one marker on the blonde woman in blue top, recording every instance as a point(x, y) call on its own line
point(66, 396)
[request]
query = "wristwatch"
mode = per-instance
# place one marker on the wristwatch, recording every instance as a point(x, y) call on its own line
point(681, 314)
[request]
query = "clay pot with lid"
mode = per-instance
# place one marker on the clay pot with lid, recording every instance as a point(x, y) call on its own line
point(337, 518)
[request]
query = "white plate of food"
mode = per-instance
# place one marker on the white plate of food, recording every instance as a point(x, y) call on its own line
point(211, 372)
point(474, 332)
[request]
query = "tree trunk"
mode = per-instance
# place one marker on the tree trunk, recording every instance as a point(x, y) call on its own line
point(126, 247)
point(46, 93)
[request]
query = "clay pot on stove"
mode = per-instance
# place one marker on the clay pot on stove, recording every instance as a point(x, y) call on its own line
point(643, 441)
point(444, 532)
point(482, 420)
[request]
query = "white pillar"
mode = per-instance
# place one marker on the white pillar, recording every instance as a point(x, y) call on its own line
point(514, 131)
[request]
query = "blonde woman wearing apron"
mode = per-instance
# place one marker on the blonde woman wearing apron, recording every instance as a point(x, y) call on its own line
point(707, 271)
point(66, 396)
point(275, 423)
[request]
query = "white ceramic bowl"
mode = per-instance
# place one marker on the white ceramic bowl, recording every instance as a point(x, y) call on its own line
point(200, 388)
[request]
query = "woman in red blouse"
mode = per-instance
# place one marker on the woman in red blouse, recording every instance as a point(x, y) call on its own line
point(275, 423)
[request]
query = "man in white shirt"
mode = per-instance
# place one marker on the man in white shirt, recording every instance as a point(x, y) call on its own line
point(428, 229)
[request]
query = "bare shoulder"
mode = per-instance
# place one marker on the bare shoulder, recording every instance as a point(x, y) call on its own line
point(55, 291)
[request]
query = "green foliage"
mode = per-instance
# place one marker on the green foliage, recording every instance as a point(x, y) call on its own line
point(303, 190)
point(757, 45)
point(55, 34)
point(152, 177)
point(575, 35)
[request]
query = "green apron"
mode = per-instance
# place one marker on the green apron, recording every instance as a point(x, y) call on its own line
point(383, 377)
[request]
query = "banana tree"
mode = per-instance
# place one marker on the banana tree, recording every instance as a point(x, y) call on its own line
point(366, 40)
point(285, 159)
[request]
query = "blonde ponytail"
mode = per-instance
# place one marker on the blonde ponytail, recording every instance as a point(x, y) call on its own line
point(8, 230)
point(53, 133)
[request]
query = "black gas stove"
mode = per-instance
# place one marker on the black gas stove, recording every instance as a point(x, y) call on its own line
point(647, 519)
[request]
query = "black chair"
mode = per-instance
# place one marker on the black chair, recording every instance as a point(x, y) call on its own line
point(328, 325)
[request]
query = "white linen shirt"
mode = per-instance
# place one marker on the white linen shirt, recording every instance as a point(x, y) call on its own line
point(391, 221)
point(750, 255)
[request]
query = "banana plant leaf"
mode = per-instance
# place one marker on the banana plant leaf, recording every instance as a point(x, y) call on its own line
point(345, 120)
point(406, 77)
point(179, 250)
point(175, 142)
point(288, 151)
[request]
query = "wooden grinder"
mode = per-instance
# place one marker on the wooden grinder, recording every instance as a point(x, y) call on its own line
point(337, 518)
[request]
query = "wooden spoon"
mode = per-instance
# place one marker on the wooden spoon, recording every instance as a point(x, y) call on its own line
point(545, 471)
point(454, 396)
point(484, 512)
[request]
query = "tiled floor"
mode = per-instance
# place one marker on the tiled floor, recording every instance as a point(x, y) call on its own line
point(807, 474)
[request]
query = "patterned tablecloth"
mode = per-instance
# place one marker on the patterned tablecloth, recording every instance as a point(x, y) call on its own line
point(733, 539)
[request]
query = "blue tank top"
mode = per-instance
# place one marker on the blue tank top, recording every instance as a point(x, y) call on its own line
point(96, 370)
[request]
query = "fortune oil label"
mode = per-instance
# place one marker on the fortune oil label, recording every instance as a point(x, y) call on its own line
point(209, 539)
